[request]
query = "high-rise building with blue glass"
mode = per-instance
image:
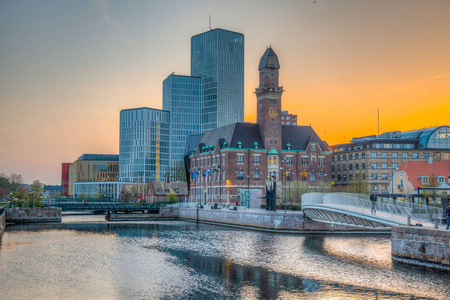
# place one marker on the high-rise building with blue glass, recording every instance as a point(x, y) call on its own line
point(182, 97)
point(144, 145)
point(218, 57)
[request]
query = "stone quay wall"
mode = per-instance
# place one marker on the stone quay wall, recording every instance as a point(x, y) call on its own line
point(422, 247)
point(164, 213)
point(2, 222)
point(263, 220)
point(32, 215)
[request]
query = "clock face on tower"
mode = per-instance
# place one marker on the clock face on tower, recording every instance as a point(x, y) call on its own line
point(273, 112)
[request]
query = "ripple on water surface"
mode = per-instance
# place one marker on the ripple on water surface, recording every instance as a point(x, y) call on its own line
point(178, 260)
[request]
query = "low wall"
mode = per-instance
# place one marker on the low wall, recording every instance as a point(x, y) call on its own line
point(32, 215)
point(2, 222)
point(265, 220)
point(164, 213)
point(422, 247)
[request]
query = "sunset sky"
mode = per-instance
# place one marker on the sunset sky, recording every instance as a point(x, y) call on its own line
point(67, 68)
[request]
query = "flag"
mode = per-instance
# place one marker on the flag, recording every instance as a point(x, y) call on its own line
point(210, 172)
point(194, 175)
point(204, 173)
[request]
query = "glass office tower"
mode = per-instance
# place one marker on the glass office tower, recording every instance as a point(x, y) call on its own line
point(182, 97)
point(218, 57)
point(144, 145)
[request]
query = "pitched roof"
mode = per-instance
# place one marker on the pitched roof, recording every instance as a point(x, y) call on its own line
point(264, 62)
point(246, 133)
point(414, 169)
point(300, 136)
point(192, 142)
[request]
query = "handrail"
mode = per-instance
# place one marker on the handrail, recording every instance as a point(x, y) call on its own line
point(361, 203)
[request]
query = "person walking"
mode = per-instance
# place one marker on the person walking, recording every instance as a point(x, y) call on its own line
point(373, 199)
point(447, 212)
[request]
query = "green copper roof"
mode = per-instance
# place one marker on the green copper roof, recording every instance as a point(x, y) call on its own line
point(255, 144)
point(239, 143)
point(273, 152)
point(288, 145)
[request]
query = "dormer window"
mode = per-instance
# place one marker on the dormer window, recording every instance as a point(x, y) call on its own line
point(225, 144)
point(239, 144)
point(313, 147)
point(255, 144)
point(288, 146)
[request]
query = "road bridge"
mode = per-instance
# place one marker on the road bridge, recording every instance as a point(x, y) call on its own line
point(355, 210)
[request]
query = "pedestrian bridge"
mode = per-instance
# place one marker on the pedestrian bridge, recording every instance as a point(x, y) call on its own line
point(110, 206)
point(355, 210)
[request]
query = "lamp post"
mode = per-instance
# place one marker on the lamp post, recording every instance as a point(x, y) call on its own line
point(247, 197)
point(10, 198)
point(290, 179)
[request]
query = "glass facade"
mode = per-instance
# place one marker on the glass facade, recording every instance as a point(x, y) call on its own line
point(182, 97)
point(218, 57)
point(144, 145)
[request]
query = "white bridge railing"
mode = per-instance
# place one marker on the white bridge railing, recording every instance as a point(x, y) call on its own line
point(362, 204)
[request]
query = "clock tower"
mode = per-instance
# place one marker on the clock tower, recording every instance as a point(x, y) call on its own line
point(268, 96)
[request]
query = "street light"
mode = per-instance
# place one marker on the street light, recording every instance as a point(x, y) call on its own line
point(10, 199)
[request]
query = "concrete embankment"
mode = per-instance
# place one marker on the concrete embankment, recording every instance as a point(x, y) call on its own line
point(164, 213)
point(421, 247)
point(2, 222)
point(279, 220)
point(32, 215)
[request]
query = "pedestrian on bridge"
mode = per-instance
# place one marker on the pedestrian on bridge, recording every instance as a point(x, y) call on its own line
point(447, 212)
point(373, 199)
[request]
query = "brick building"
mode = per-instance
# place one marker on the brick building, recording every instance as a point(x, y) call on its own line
point(376, 158)
point(228, 161)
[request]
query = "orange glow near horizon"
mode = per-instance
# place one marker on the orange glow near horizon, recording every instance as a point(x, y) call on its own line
point(63, 81)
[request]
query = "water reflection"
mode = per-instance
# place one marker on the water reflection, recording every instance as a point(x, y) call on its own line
point(180, 260)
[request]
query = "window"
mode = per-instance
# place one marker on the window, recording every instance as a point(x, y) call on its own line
point(356, 155)
point(313, 158)
point(426, 156)
point(374, 175)
point(223, 159)
point(240, 175)
point(350, 156)
point(289, 160)
point(425, 180)
point(313, 147)
point(304, 160)
point(256, 159)
point(374, 155)
point(384, 176)
point(394, 155)
point(356, 166)
point(373, 165)
point(405, 155)
point(313, 176)
point(321, 161)
point(272, 159)
point(350, 166)
point(384, 165)
point(363, 155)
point(395, 166)
point(332, 168)
point(240, 159)
point(256, 175)
point(441, 179)
point(415, 155)
point(363, 166)
point(223, 175)
point(383, 154)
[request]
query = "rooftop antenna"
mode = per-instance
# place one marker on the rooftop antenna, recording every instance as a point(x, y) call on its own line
point(378, 121)
point(209, 21)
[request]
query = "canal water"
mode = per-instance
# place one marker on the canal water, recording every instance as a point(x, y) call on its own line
point(182, 260)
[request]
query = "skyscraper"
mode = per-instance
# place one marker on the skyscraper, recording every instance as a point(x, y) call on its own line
point(218, 57)
point(182, 98)
point(144, 145)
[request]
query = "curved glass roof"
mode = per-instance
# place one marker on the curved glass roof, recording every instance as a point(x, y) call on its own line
point(432, 138)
